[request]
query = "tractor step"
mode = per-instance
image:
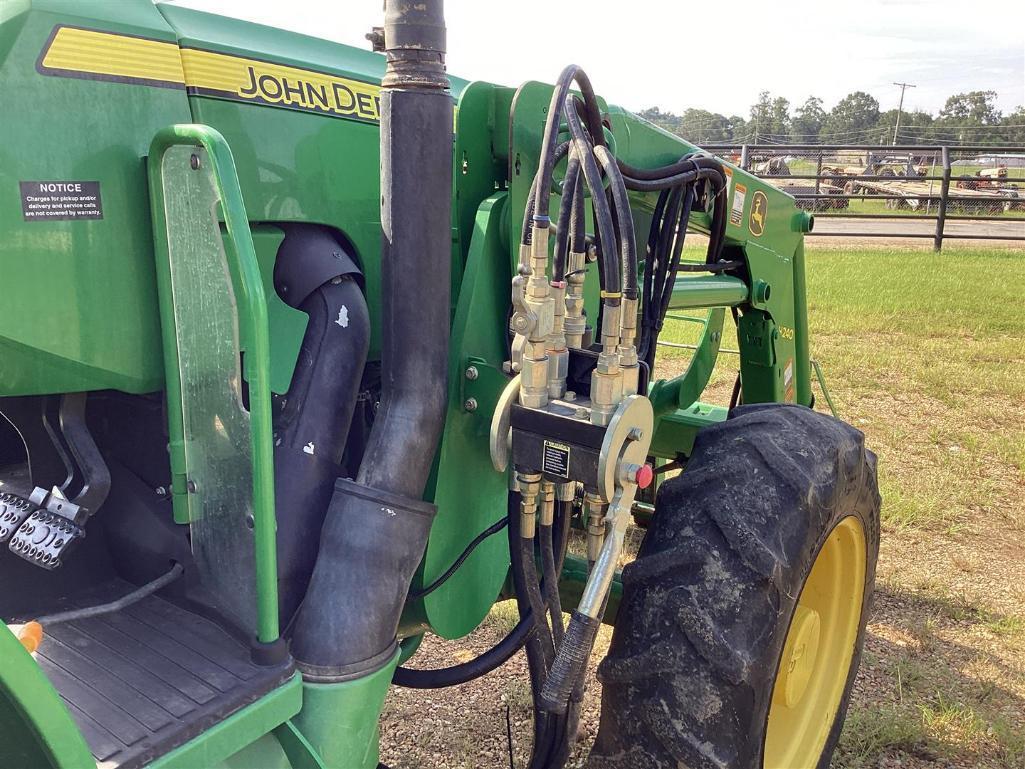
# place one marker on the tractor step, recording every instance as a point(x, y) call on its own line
point(13, 512)
point(147, 679)
point(44, 538)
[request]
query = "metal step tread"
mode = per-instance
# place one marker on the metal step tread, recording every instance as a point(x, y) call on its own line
point(142, 681)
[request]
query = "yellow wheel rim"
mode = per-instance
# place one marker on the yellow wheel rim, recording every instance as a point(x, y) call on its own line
point(818, 650)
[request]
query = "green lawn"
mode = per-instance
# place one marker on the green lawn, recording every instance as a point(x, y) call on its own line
point(926, 354)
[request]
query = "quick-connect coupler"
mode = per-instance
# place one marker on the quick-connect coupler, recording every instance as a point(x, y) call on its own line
point(530, 487)
point(575, 324)
point(606, 387)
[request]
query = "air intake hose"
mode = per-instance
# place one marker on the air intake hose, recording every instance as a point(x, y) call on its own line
point(376, 528)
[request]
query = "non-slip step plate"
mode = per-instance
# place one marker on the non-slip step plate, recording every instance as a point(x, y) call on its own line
point(142, 681)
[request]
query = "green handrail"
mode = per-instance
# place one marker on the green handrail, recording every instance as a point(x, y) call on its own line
point(253, 326)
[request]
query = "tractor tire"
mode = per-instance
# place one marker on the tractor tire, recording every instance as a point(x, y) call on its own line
point(721, 657)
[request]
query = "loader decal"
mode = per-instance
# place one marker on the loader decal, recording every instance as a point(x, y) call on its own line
point(116, 57)
point(759, 210)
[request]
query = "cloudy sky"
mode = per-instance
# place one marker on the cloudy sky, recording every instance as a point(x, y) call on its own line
point(675, 54)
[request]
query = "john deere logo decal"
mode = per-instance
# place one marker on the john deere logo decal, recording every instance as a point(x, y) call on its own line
point(120, 58)
point(759, 211)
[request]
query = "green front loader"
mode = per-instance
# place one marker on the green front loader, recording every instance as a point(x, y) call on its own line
point(310, 353)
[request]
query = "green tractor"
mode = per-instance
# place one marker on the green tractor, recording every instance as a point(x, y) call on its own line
point(308, 352)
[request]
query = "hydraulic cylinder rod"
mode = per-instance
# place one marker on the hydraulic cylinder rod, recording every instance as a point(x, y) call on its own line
point(708, 291)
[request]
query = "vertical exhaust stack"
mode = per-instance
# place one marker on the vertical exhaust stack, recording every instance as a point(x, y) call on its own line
point(376, 527)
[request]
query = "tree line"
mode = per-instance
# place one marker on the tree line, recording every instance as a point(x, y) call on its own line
point(966, 118)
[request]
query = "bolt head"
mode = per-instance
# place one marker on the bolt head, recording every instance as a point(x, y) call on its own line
point(194, 162)
point(470, 404)
point(472, 373)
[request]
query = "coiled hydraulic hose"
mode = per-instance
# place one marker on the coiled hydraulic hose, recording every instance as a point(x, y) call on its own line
point(502, 652)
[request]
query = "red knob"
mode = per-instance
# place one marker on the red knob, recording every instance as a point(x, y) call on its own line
point(645, 475)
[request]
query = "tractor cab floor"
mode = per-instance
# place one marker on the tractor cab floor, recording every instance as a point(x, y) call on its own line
point(144, 680)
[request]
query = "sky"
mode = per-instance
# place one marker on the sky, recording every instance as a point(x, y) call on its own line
point(674, 54)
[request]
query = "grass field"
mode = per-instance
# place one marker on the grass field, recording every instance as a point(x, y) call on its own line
point(926, 354)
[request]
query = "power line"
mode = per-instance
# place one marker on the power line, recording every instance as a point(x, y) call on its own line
point(900, 107)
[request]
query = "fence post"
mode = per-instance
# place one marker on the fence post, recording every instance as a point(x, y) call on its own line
point(743, 157)
point(941, 212)
point(818, 177)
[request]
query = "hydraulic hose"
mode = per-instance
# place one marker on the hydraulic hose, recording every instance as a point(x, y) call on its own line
point(627, 239)
point(583, 148)
point(562, 230)
point(525, 233)
point(566, 78)
point(121, 603)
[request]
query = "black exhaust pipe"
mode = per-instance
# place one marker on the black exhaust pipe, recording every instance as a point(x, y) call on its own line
point(376, 528)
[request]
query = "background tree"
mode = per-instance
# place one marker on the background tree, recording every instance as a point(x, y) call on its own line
point(808, 121)
point(853, 120)
point(967, 118)
point(770, 119)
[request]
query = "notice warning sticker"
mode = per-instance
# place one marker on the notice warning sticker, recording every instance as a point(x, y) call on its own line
point(737, 209)
point(60, 200)
point(556, 459)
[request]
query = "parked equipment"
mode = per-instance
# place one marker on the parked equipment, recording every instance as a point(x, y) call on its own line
point(292, 331)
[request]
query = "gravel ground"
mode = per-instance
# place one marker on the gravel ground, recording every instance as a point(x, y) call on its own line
point(942, 682)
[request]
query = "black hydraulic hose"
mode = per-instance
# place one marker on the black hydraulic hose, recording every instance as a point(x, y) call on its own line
point(650, 262)
point(502, 652)
point(553, 604)
point(493, 658)
point(673, 169)
point(121, 603)
point(602, 212)
point(555, 108)
point(491, 530)
point(662, 237)
point(562, 231)
point(525, 233)
point(528, 601)
point(627, 238)
point(578, 226)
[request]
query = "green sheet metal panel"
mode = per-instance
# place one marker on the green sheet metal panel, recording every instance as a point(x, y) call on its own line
point(36, 729)
point(80, 306)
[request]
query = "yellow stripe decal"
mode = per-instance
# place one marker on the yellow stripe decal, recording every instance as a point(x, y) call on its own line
point(107, 56)
point(93, 54)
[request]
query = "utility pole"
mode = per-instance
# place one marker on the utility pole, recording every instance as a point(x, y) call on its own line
point(900, 107)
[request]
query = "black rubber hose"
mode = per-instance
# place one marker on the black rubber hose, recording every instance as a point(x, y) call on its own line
point(502, 652)
point(661, 172)
point(121, 603)
point(578, 231)
point(553, 604)
point(380, 520)
point(312, 427)
point(602, 212)
point(555, 108)
point(528, 601)
point(650, 262)
point(525, 233)
point(491, 530)
point(624, 219)
point(493, 658)
point(562, 230)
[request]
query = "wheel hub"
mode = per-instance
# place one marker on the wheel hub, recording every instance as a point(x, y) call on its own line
point(818, 651)
point(801, 655)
